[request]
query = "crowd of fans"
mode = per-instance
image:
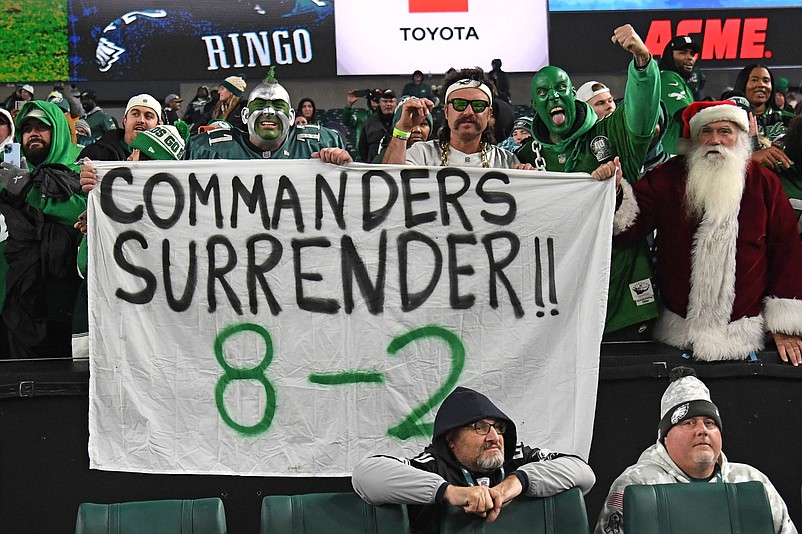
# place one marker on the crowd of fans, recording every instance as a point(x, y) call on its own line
point(260, 122)
point(657, 141)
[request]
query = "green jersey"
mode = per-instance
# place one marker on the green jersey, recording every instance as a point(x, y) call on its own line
point(354, 119)
point(100, 122)
point(230, 143)
point(676, 95)
point(625, 133)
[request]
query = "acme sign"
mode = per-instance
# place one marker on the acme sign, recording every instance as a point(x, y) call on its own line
point(730, 38)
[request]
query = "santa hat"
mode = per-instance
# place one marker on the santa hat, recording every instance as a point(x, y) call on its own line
point(698, 114)
point(164, 141)
point(235, 84)
point(685, 397)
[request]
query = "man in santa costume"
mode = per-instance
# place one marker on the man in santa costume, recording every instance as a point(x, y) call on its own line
point(728, 249)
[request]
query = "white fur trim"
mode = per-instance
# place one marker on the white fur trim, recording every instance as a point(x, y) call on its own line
point(783, 316)
point(732, 341)
point(628, 212)
point(707, 328)
point(723, 112)
point(712, 290)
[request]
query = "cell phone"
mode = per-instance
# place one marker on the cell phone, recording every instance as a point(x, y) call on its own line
point(11, 154)
point(361, 93)
point(18, 104)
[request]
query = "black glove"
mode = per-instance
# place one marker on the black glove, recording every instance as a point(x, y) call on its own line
point(13, 179)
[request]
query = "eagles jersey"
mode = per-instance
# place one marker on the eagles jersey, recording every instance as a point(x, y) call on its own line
point(230, 143)
point(676, 95)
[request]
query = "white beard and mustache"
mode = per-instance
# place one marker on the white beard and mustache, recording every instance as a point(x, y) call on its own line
point(715, 184)
point(491, 462)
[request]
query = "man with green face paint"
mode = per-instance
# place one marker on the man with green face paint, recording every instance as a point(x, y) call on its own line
point(272, 133)
point(566, 136)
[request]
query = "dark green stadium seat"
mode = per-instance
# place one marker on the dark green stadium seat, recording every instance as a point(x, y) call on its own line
point(329, 513)
point(563, 513)
point(198, 516)
point(741, 508)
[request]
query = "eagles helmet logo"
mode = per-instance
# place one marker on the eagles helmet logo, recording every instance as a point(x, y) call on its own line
point(108, 52)
point(679, 413)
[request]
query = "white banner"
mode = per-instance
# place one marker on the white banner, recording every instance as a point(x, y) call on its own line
point(292, 317)
point(401, 36)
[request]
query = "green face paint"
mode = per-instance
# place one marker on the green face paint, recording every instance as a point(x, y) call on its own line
point(269, 119)
point(553, 99)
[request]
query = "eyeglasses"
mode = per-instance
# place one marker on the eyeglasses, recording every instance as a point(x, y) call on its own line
point(483, 427)
point(461, 104)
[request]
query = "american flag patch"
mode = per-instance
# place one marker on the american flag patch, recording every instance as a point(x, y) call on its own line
point(616, 500)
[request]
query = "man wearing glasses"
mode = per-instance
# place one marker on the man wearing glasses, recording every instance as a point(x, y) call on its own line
point(474, 462)
point(466, 138)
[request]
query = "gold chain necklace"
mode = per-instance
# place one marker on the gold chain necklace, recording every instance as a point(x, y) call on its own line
point(445, 147)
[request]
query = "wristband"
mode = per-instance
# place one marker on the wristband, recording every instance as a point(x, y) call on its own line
point(401, 134)
point(641, 67)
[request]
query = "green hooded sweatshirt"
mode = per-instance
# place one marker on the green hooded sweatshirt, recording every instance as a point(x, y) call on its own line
point(626, 133)
point(63, 151)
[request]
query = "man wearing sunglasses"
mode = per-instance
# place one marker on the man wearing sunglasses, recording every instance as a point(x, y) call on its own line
point(465, 139)
point(474, 462)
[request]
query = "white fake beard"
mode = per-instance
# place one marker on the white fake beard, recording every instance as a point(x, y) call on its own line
point(715, 184)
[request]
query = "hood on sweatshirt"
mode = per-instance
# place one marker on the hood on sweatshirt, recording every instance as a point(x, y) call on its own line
point(62, 149)
point(461, 408)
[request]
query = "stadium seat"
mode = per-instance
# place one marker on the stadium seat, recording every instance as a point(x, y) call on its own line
point(563, 513)
point(697, 509)
point(188, 516)
point(327, 513)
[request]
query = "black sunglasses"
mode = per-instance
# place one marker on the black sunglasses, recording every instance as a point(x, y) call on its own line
point(461, 104)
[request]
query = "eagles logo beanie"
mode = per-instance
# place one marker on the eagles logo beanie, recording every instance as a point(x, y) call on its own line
point(685, 397)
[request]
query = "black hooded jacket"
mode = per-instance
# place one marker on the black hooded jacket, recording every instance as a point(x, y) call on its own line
point(42, 278)
point(461, 408)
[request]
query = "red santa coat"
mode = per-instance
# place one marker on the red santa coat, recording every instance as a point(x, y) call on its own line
point(724, 283)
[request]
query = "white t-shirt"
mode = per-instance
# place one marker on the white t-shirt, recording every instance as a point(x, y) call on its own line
point(428, 153)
